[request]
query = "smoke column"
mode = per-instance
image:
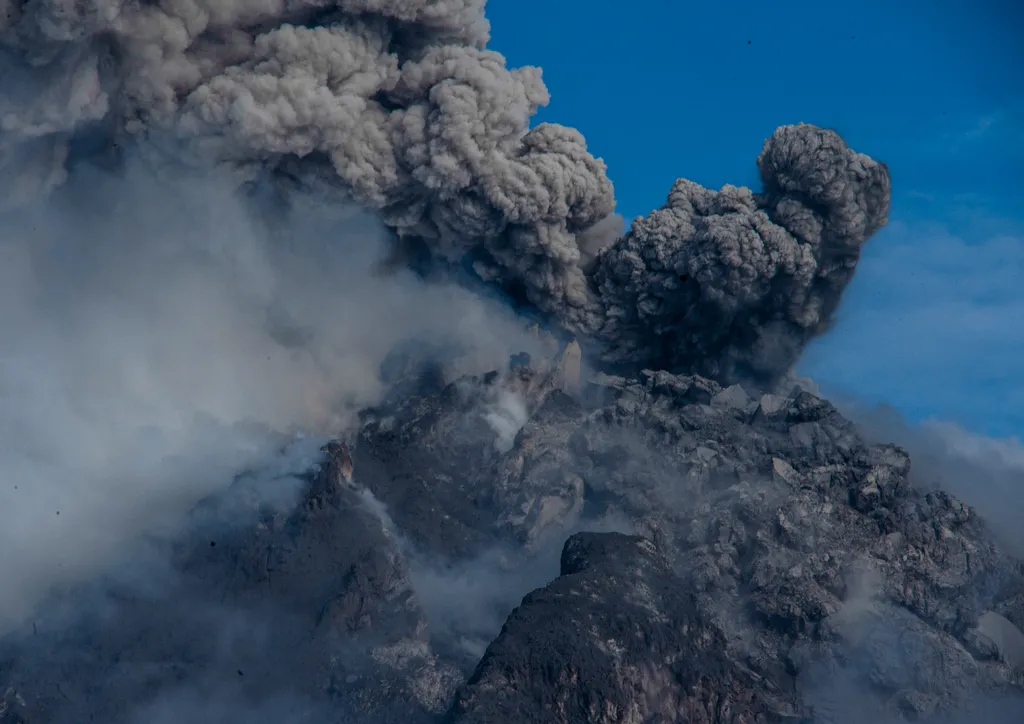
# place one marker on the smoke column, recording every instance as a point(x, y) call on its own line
point(397, 106)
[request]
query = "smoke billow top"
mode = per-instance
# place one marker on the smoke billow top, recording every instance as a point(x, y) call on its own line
point(396, 106)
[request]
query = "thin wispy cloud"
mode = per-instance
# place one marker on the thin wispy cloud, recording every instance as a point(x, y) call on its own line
point(999, 126)
point(969, 132)
point(983, 127)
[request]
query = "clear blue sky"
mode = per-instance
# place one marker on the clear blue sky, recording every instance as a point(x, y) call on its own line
point(934, 321)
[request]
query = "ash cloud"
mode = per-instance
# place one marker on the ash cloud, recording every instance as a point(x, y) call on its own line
point(733, 284)
point(401, 109)
point(162, 338)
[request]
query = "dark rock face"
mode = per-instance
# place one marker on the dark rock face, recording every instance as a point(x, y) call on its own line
point(770, 566)
point(309, 606)
point(617, 637)
point(809, 557)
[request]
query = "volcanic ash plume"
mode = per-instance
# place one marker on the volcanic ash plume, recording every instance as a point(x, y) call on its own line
point(398, 106)
point(733, 284)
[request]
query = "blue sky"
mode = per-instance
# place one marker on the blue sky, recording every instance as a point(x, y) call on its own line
point(934, 321)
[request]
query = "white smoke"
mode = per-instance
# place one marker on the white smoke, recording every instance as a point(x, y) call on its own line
point(159, 338)
point(506, 416)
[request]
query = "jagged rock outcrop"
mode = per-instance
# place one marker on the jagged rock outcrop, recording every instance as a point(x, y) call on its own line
point(822, 567)
point(618, 637)
point(310, 607)
point(769, 565)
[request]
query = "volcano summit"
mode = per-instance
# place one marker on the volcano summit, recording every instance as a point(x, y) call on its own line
point(334, 393)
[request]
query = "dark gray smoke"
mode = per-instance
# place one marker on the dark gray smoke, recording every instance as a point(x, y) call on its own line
point(733, 284)
point(398, 106)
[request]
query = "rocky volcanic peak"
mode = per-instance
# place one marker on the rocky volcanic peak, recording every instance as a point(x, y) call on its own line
point(769, 566)
point(314, 603)
point(807, 551)
point(618, 637)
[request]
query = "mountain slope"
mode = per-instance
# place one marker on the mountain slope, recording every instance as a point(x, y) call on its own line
point(769, 566)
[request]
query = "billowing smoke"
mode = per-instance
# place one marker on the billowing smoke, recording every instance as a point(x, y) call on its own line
point(397, 106)
point(733, 284)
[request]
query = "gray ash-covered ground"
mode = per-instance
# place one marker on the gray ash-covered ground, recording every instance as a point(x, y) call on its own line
point(724, 558)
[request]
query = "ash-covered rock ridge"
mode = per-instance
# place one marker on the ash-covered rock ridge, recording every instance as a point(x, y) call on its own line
point(684, 553)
